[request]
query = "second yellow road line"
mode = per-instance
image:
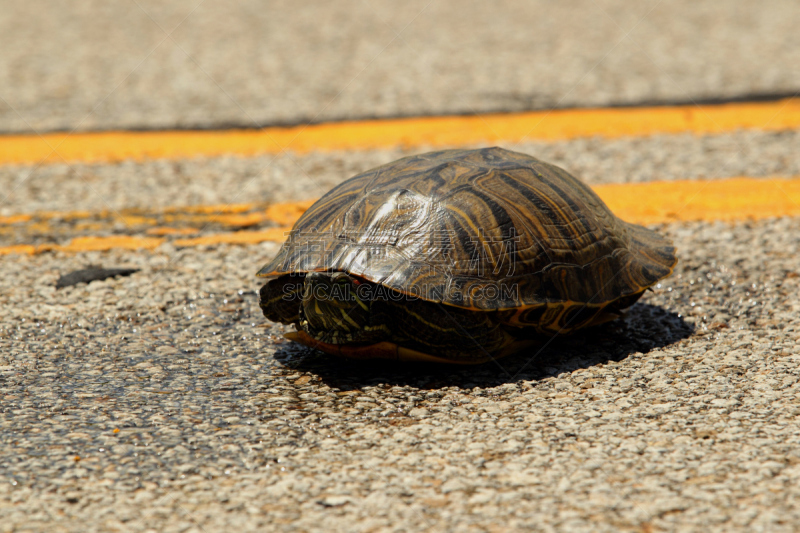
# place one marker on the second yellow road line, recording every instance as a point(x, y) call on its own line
point(695, 200)
point(731, 199)
point(185, 220)
point(407, 132)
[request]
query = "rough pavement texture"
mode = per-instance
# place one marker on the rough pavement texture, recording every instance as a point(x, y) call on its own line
point(287, 177)
point(164, 401)
point(98, 64)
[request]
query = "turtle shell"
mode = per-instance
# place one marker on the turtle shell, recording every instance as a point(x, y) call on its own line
point(486, 229)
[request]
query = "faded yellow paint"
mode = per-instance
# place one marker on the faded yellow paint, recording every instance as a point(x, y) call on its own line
point(408, 132)
point(161, 231)
point(730, 199)
point(14, 219)
point(23, 249)
point(166, 221)
point(212, 210)
point(238, 237)
point(288, 213)
point(102, 244)
point(643, 203)
point(249, 219)
point(67, 215)
point(87, 244)
point(136, 221)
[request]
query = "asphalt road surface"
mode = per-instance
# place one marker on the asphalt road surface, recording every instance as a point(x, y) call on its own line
point(147, 63)
point(164, 401)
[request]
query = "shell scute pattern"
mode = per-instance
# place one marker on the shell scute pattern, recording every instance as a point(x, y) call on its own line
point(449, 226)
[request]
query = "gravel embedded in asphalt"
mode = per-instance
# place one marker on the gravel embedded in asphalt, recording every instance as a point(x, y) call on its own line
point(288, 177)
point(164, 401)
point(250, 63)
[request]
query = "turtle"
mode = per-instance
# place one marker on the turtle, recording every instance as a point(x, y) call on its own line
point(457, 256)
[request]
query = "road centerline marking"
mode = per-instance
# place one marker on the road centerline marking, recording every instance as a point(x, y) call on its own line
point(436, 131)
point(731, 199)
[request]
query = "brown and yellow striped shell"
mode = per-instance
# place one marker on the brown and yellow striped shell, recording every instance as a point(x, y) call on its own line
point(486, 229)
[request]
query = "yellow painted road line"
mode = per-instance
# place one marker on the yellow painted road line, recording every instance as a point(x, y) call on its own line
point(643, 203)
point(728, 200)
point(238, 237)
point(87, 244)
point(408, 132)
point(184, 221)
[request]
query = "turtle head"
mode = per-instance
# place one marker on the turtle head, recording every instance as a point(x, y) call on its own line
point(334, 309)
